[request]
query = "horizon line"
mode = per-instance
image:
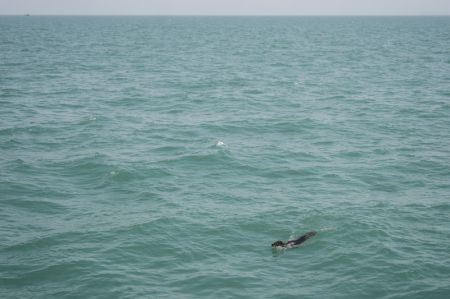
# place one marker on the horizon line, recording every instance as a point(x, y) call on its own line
point(234, 15)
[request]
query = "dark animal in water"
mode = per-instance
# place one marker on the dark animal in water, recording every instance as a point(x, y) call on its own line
point(293, 243)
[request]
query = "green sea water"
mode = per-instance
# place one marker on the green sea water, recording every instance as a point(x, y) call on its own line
point(159, 157)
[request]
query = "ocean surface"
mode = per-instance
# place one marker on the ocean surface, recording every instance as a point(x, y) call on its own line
point(159, 157)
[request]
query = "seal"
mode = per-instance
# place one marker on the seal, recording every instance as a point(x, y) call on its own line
point(293, 243)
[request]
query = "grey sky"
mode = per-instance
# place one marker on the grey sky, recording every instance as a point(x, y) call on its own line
point(226, 7)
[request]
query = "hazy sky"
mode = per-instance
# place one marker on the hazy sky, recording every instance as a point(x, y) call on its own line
point(227, 7)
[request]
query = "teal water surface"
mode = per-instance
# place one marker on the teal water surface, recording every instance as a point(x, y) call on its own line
point(159, 157)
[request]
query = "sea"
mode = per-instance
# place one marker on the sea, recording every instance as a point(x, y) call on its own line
point(161, 156)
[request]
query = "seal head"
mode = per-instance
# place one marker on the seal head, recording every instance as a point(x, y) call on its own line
point(278, 244)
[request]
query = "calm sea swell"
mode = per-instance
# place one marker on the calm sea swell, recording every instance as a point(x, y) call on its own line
point(159, 157)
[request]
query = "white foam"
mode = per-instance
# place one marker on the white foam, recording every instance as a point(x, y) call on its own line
point(220, 143)
point(279, 248)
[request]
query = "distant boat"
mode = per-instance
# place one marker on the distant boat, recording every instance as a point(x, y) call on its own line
point(27, 15)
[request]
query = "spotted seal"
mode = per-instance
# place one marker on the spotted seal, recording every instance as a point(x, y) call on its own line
point(293, 243)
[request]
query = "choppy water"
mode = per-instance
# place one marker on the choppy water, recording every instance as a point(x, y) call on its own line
point(159, 157)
